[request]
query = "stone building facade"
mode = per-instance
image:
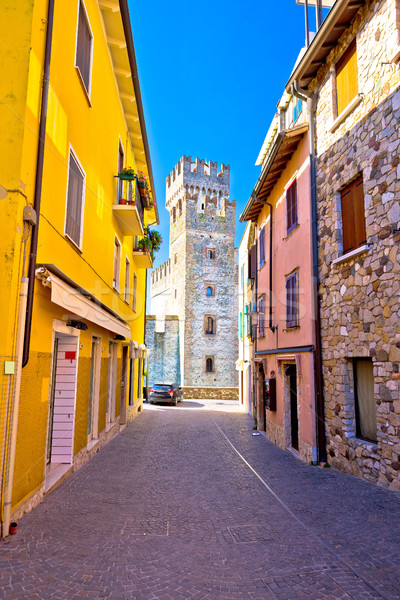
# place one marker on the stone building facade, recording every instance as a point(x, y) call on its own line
point(198, 283)
point(360, 287)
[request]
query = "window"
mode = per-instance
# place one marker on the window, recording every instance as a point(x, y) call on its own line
point(117, 260)
point(127, 279)
point(211, 253)
point(240, 325)
point(262, 246)
point(210, 291)
point(179, 208)
point(291, 207)
point(261, 311)
point(175, 259)
point(346, 78)
point(84, 46)
point(297, 108)
point(292, 310)
point(353, 216)
point(210, 325)
point(75, 196)
point(176, 294)
point(174, 214)
point(134, 293)
point(365, 406)
point(210, 364)
point(252, 266)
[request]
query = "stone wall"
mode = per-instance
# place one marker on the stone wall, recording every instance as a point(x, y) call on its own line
point(210, 393)
point(360, 294)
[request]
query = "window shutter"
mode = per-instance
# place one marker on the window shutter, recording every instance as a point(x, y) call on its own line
point(353, 216)
point(346, 77)
point(291, 301)
point(83, 47)
point(74, 201)
point(240, 326)
point(291, 207)
point(253, 262)
point(359, 212)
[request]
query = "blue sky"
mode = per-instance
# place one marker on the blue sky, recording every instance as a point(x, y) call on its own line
point(211, 75)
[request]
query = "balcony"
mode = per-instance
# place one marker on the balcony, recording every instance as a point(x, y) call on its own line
point(129, 210)
point(142, 258)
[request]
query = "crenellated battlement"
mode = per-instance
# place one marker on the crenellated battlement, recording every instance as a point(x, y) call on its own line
point(161, 274)
point(194, 177)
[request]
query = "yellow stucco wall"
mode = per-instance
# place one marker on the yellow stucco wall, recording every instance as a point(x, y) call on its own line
point(93, 129)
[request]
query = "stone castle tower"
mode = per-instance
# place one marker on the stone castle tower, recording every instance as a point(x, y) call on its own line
point(197, 285)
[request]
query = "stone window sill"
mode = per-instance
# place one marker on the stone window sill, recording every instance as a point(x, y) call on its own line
point(345, 112)
point(366, 443)
point(352, 254)
point(290, 233)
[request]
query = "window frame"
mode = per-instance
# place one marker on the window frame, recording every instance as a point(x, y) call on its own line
point(88, 89)
point(210, 358)
point(292, 308)
point(292, 217)
point(210, 320)
point(358, 423)
point(134, 292)
point(211, 251)
point(117, 264)
point(210, 286)
point(72, 154)
point(127, 279)
point(261, 315)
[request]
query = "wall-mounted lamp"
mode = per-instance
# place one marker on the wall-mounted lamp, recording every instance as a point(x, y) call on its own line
point(78, 325)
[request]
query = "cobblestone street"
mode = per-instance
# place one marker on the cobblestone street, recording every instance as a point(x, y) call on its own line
point(186, 503)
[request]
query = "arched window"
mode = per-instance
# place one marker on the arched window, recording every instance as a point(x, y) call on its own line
point(179, 208)
point(210, 291)
point(210, 325)
point(209, 365)
point(174, 214)
point(211, 253)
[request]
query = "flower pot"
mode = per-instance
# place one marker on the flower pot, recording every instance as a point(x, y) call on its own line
point(126, 177)
point(13, 528)
point(122, 201)
point(131, 202)
point(141, 184)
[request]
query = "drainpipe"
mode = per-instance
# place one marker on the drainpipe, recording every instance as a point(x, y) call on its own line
point(38, 182)
point(319, 383)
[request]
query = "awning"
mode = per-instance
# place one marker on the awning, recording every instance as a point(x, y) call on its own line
point(76, 304)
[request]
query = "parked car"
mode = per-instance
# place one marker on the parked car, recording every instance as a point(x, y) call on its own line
point(165, 392)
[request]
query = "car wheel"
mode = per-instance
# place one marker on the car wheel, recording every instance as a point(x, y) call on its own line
point(175, 401)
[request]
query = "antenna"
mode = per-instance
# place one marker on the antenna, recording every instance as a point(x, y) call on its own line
point(319, 5)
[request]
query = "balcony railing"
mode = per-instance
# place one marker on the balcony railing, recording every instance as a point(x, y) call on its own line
point(129, 208)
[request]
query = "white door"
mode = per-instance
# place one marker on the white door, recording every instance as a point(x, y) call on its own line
point(62, 407)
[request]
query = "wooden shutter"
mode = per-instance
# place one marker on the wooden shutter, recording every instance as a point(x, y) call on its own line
point(291, 207)
point(262, 246)
point(253, 262)
point(84, 44)
point(291, 301)
point(74, 201)
point(346, 78)
point(353, 216)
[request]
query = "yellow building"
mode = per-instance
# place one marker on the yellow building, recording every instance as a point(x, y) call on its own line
point(71, 119)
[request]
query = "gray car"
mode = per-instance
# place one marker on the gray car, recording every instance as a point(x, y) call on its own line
point(169, 393)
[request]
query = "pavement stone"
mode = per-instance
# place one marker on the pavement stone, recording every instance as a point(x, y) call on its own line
point(170, 510)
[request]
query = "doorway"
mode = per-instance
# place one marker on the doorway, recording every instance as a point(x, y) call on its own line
point(112, 382)
point(61, 418)
point(291, 373)
point(94, 391)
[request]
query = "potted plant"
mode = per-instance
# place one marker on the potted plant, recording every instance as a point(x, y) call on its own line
point(150, 242)
point(127, 173)
point(141, 181)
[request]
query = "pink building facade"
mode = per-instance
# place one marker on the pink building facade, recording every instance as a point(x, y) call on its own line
point(281, 279)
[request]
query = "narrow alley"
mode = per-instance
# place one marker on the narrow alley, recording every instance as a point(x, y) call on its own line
point(190, 503)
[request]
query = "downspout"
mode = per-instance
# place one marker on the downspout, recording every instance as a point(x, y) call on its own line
point(38, 182)
point(319, 382)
